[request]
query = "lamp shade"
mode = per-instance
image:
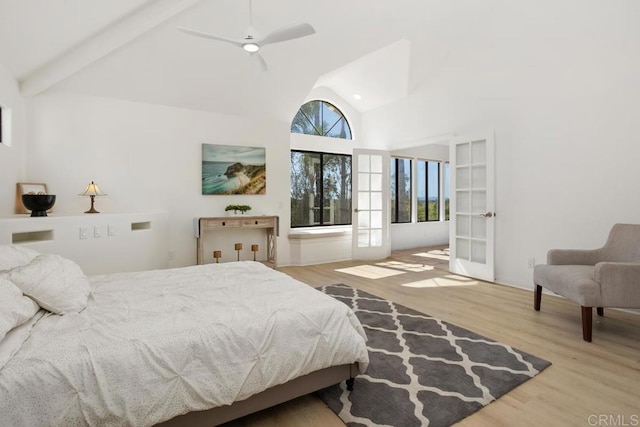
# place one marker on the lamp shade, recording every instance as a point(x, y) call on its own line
point(92, 190)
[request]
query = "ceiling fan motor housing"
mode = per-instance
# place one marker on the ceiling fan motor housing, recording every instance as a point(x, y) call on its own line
point(251, 34)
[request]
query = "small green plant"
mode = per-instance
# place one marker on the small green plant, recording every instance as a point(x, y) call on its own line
point(236, 208)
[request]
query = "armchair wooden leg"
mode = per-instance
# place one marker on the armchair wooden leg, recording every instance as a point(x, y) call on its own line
point(537, 297)
point(587, 326)
point(600, 311)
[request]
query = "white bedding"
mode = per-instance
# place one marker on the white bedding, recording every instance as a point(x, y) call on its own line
point(156, 344)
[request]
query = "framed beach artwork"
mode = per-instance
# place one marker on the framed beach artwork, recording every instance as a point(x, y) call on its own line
point(233, 169)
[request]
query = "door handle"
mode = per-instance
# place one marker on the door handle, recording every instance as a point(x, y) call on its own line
point(488, 214)
point(355, 210)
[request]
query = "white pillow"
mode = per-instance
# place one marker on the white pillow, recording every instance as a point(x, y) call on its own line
point(56, 283)
point(15, 308)
point(14, 256)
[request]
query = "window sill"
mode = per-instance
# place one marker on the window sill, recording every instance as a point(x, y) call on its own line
point(318, 233)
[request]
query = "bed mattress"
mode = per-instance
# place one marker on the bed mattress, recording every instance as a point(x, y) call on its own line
point(156, 344)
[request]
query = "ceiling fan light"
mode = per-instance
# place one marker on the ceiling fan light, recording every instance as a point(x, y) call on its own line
point(251, 47)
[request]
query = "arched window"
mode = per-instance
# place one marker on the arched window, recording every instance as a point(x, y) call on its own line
point(321, 118)
point(320, 181)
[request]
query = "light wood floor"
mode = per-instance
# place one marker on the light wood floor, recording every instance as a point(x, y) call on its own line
point(586, 380)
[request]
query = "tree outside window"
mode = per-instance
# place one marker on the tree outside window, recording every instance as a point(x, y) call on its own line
point(446, 189)
point(320, 189)
point(432, 188)
point(321, 118)
point(400, 190)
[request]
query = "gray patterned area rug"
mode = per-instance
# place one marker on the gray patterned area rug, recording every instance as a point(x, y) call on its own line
point(422, 371)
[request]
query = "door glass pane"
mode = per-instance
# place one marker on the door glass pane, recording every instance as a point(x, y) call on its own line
point(376, 182)
point(478, 201)
point(462, 177)
point(462, 249)
point(376, 219)
point(463, 202)
point(363, 219)
point(462, 154)
point(479, 176)
point(363, 201)
point(376, 238)
point(479, 251)
point(363, 163)
point(478, 152)
point(376, 164)
point(363, 182)
point(478, 227)
point(376, 201)
point(462, 224)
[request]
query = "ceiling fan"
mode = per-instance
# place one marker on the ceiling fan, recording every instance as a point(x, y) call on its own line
point(252, 42)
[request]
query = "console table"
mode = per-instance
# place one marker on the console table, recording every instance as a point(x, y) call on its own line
point(215, 224)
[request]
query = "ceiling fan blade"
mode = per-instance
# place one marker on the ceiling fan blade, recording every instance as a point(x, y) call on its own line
point(210, 36)
point(259, 62)
point(287, 33)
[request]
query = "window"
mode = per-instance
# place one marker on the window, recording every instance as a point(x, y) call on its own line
point(400, 190)
point(428, 193)
point(321, 118)
point(447, 185)
point(320, 189)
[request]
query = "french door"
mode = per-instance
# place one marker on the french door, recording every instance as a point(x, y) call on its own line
point(370, 204)
point(472, 232)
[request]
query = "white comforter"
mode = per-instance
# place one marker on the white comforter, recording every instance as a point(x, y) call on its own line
point(156, 344)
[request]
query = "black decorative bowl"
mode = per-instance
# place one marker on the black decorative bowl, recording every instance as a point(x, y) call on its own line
point(38, 204)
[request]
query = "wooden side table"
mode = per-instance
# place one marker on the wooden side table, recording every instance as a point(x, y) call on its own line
point(219, 224)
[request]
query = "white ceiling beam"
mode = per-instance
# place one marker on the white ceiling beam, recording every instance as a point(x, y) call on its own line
point(101, 44)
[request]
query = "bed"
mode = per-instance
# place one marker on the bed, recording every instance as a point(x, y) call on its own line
point(190, 346)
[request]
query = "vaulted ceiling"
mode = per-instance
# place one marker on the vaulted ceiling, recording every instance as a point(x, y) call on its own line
point(131, 49)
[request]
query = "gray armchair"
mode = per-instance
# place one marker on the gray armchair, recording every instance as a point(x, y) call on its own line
point(605, 277)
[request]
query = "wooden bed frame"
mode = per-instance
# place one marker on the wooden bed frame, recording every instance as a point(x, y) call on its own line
point(273, 396)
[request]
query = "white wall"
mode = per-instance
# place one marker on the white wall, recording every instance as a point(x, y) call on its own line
point(561, 93)
point(148, 158)
point(11, 156)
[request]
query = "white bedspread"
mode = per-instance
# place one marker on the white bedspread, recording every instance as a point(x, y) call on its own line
point(156, 344)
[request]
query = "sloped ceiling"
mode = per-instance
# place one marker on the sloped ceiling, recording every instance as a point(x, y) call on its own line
point(34, 32)
point(164, 66)
point(374, 80)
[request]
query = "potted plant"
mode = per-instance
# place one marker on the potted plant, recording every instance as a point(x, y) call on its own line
point(236, 208)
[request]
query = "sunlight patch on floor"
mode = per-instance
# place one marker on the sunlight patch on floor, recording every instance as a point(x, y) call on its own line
point(441, 282)
point(433, 255)
point(370, 271)
point(406, 266)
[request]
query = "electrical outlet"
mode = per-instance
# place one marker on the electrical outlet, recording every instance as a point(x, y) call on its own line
point(531, 262)
point(96, 232)
point(111, 230)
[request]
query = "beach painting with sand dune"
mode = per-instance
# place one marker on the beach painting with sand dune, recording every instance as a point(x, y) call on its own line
point(233, 169)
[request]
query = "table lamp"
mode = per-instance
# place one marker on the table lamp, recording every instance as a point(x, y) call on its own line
point(92, 191)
